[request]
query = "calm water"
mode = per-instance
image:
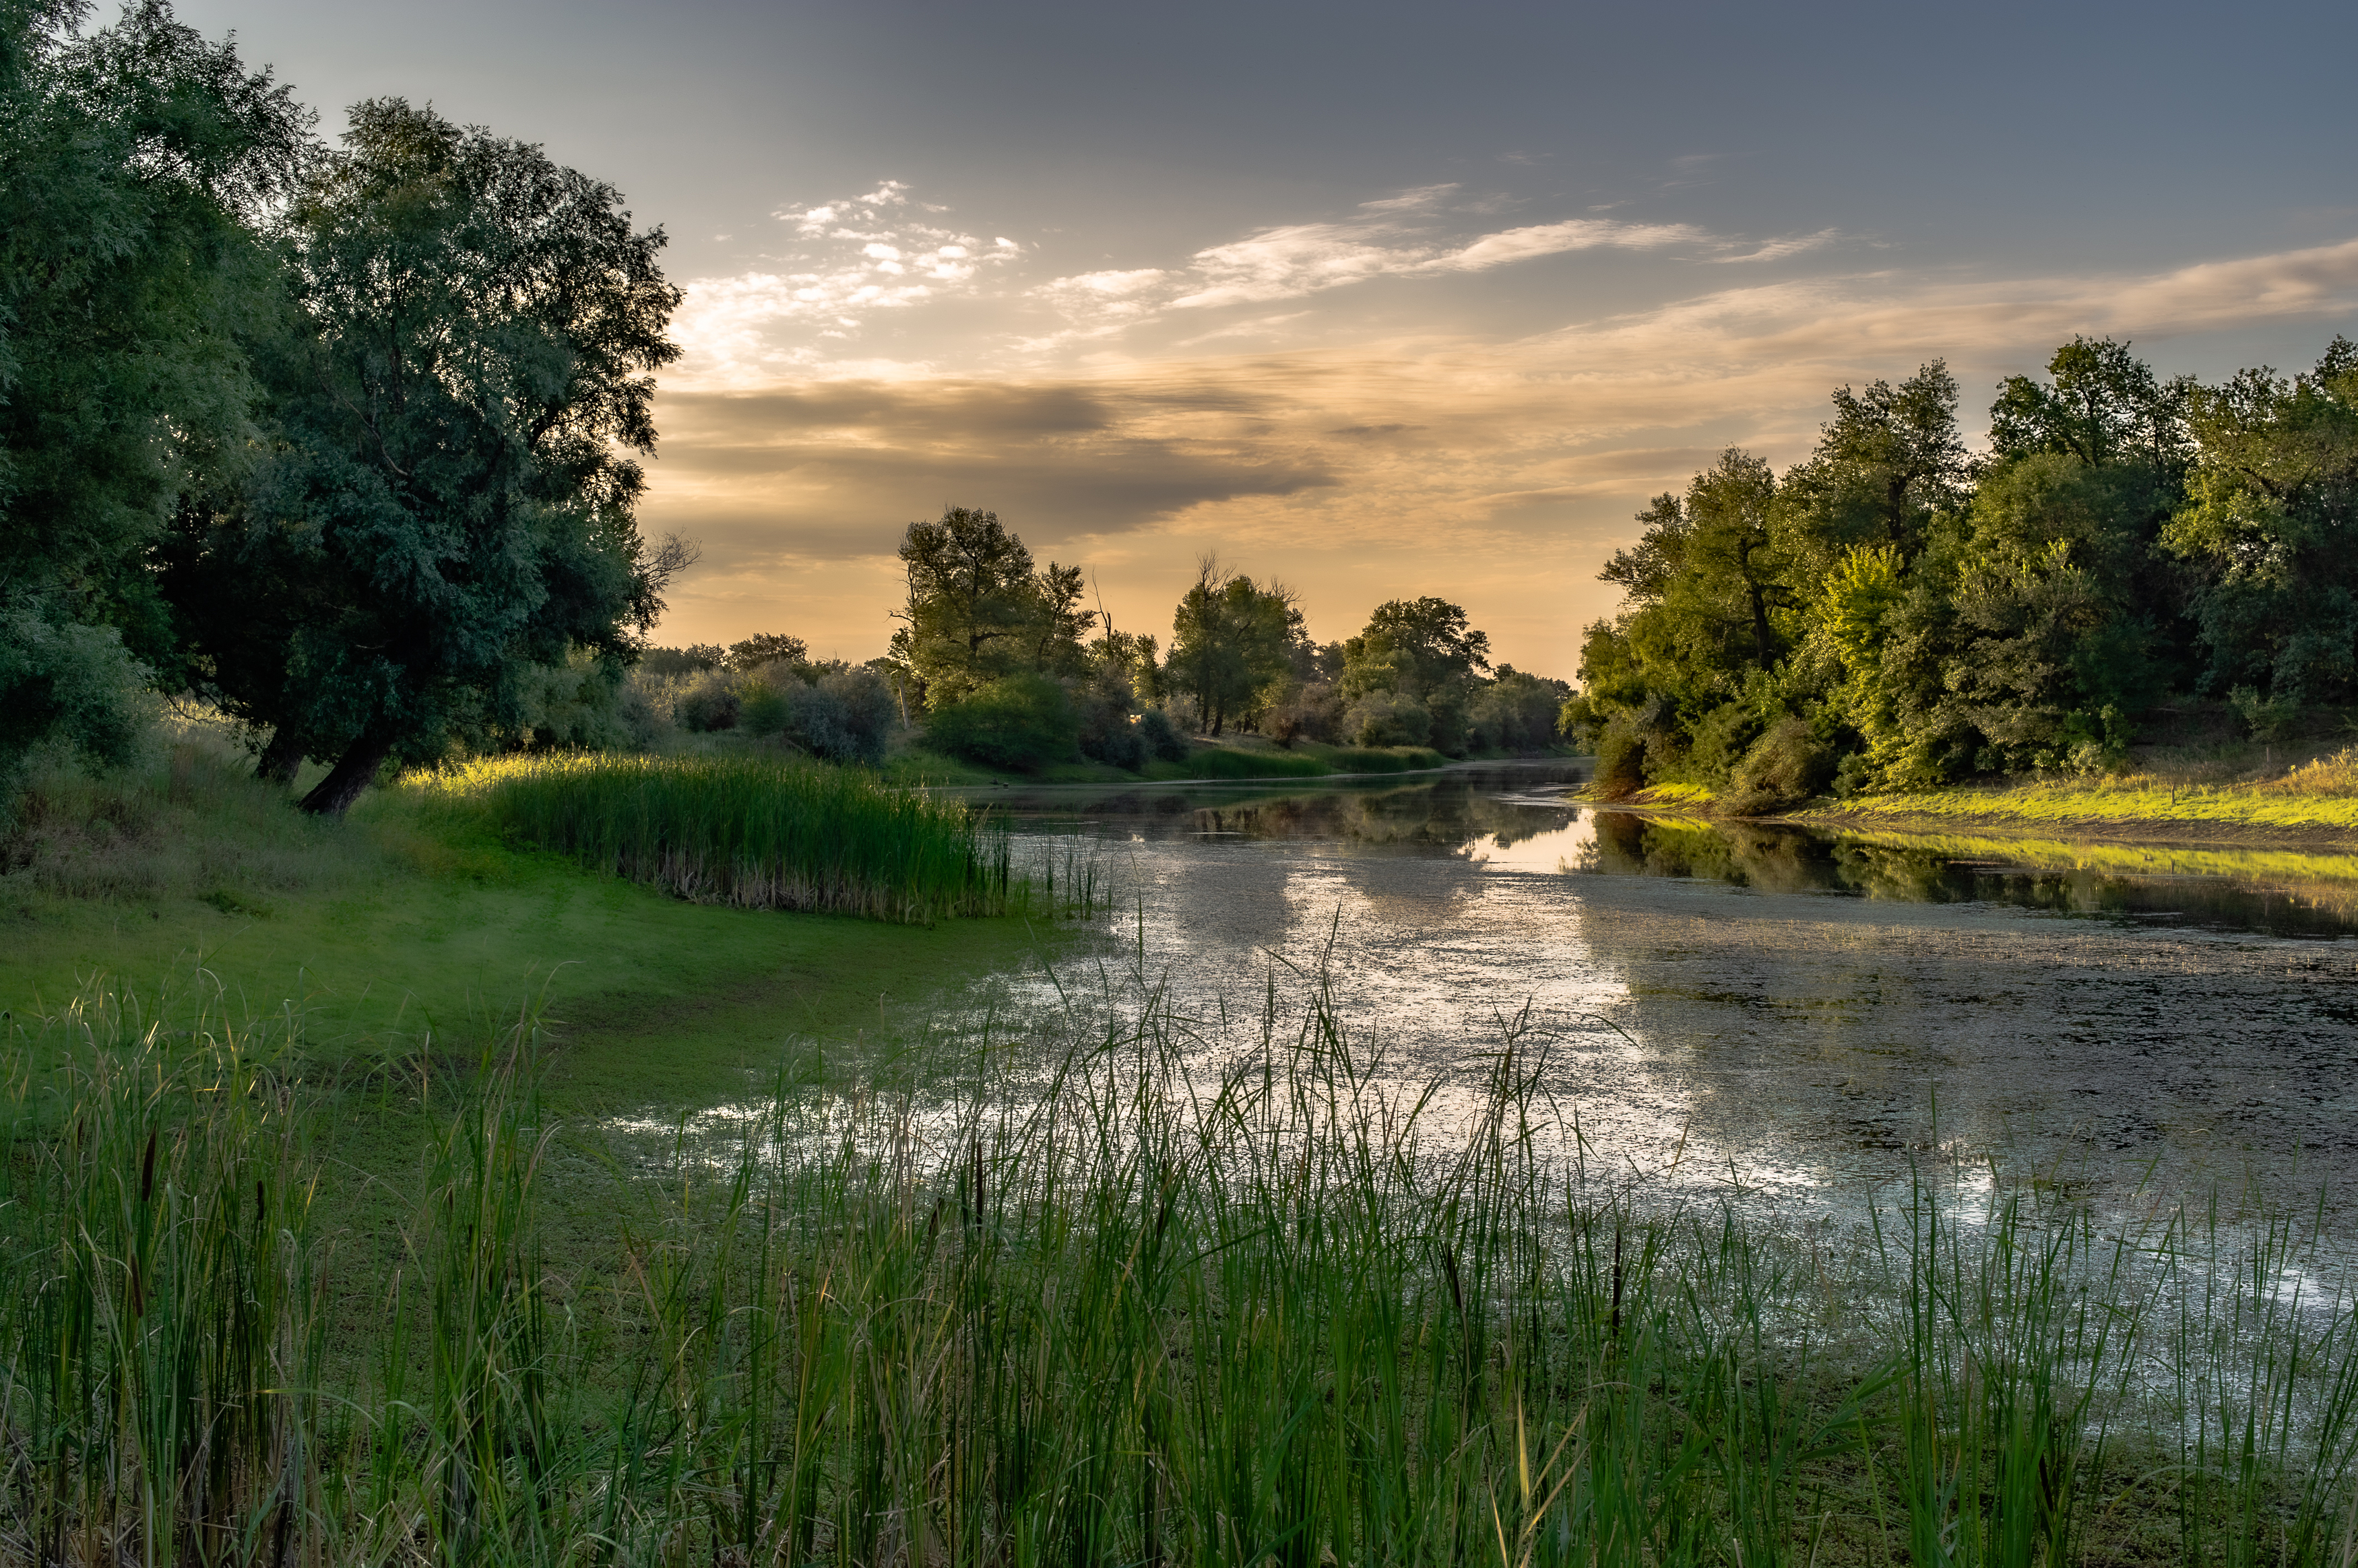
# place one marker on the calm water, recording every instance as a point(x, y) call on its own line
point(1774, 1012)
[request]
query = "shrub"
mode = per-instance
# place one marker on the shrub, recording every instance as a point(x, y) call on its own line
point(1312, 712)
point(711, 703)
point(1162, 737)
point(1620, 760)
point(1107, 732)
point(1388, 718)
point(1021, 722)
point(1784, 767)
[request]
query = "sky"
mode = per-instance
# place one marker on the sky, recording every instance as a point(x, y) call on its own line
point(1378, 300)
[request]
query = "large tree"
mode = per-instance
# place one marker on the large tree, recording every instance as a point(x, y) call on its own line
point(978, 610)
point(134, 167)
point(1231, 643)
point(450, 502)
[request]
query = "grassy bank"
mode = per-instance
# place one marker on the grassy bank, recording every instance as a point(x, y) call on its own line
point(2312, 803)
point(1108, 1306)
point(2316, 801)
point(410, 928)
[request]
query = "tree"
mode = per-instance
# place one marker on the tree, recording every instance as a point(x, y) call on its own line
point(1421, 650)
point(2271, 529)
point(451, 501)
point(766, 648)
point(1231, 643)
point(134, 167)
point(1888, 459)
point(978, 611)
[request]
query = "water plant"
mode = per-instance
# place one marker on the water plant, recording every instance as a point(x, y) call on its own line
point(1155, 1291)
point(752, 831)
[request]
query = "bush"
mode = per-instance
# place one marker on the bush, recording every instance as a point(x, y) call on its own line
point(1021, 722)
point(1388, 718)
point(1621, 761)
point(1108, 733)
point(1121, 746)
point(711, 703)
point(1162, 737)
point(1785, 767)
point(1311, 712)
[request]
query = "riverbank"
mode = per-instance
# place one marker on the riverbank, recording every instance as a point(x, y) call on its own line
point(2313, 807)
point(405, 934)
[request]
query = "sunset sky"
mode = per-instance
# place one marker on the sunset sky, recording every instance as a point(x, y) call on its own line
point(1380, 301)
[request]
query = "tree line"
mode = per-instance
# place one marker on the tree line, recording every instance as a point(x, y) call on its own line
point(998, 659)
point(342, 440)
point(1896, 611)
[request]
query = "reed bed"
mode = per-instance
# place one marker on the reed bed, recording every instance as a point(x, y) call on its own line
point(754, 832)
point(1105, 1307)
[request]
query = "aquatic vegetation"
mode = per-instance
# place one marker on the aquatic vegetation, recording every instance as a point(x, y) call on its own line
point(758, 832)
point(1118, 1304)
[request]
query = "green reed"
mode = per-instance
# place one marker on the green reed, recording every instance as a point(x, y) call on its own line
point(1169, 1291)
point(756, 832)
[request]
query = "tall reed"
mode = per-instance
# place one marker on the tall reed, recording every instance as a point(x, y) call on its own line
point(1169, 1292)
point(755, 832)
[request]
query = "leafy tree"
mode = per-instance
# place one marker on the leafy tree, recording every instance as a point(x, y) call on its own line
point(135, 166)
point(979, 612)
point(1890, 459)
point(2271, 529)
point(766, 648)
point(1421, 650)
point(1232, 644)
point(451, 501)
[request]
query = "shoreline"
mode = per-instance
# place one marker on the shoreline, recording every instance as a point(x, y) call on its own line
point(2145, 817)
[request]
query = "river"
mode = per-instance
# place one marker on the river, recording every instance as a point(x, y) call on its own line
point(1791, 1016)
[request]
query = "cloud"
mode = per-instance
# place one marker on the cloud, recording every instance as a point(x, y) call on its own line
point(858, 257)
point(1499, 471)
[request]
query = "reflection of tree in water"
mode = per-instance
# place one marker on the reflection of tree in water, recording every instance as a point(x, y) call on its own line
point(1788, 859)
point(1446, 814)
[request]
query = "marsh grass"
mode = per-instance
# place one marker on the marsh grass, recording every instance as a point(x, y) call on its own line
point(749, 831)
point(1122, 1302)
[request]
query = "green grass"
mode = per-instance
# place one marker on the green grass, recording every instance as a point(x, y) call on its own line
point(405, 930)
point(2304, 802)
point(749, 831)
point(1096, 1306)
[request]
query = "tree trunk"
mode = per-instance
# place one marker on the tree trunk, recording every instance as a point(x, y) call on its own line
point(282, 759)
point(353, 772)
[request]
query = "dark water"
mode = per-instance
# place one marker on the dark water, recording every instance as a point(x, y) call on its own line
point(1788, 1013)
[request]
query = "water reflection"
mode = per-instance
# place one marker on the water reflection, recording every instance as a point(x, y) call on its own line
point(1767, 1010)
point(1516, 817)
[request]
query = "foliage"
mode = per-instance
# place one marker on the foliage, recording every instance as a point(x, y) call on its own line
point(450, 497)
point(765, 648)
point(1232, 643)
point(135, 166)
point(1416, 656)
point(749, 831)
point(1019, 722)
point(1924, 618)
point(979, 612)
point(1387, 719)
point(1311, 711)
point(842, 714)
point(1516, 712)
point(1162, 737)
